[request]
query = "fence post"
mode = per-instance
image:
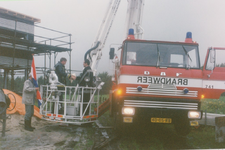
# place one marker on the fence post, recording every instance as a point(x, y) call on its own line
point(205, 117)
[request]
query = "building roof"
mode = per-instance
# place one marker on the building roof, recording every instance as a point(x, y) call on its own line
point(18, 15)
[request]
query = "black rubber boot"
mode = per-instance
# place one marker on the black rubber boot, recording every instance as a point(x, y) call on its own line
point(27, 126)
point(30, 125)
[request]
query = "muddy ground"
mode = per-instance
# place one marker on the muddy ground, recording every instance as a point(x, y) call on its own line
point(49, 135)
point(55, 136)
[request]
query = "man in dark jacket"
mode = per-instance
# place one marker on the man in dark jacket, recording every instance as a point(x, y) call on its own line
point(28, 98)
point(61, 73)
point(60, 70)
point(87, 73)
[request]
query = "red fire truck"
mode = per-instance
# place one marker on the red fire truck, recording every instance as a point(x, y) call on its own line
point(155, 81)
point(163, 82)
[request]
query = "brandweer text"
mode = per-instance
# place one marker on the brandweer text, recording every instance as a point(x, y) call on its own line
point(159, 80)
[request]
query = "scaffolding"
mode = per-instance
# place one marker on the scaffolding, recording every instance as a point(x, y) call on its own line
point(18, 43)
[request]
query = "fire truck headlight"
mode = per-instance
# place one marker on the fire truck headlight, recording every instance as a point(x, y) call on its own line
point(128, 111)
point(185, 91)
point(194, 115)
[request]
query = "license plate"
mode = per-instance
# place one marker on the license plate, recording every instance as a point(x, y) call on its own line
point(194, 123)
point(128, 119)
point(161, 120)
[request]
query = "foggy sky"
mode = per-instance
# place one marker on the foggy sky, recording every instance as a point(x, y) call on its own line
point(166, 20)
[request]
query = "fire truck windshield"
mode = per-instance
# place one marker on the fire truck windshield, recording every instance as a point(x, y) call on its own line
point(176, 55)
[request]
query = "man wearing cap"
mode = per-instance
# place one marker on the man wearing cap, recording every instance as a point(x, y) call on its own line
point(28, 98)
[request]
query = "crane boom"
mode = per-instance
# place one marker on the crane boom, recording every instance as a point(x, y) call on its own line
point(95, 53)
point(134, 18)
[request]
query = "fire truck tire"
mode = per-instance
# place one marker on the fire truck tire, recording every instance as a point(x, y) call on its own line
point(182, 127)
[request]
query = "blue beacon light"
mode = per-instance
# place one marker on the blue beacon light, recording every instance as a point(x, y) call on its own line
point(189, 35)
point(131, 34)
point(188, 38)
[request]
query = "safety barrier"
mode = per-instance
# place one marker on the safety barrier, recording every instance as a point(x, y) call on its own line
point(69, 104)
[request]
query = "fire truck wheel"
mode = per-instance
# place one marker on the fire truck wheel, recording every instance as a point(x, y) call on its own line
point(182, 127)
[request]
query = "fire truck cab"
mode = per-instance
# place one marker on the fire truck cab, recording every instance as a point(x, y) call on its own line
point(161, 82)
point(214, 73)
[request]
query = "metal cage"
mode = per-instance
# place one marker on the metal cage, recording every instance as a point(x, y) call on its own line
point(70, 104)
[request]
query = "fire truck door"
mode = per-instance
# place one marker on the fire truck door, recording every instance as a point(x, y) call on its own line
point(214, 73)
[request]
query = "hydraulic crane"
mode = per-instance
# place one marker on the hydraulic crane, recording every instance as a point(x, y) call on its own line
point(72, 103)
point(134, 18)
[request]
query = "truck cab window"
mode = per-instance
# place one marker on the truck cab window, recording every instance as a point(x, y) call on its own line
point(176, 60)
point(193, 60)
point(215, 59)
point(143, 54)
point(161, 54)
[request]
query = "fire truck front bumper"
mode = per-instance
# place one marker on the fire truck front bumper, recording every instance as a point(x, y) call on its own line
point(158, 116)
point(159, 111)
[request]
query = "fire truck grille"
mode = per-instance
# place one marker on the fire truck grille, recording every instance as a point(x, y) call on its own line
point(161, 91)
point(161, 104)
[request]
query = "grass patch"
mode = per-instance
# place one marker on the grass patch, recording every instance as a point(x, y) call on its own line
point(165, 137)
point(214, 105)
point(204, 138)
point(106, 120)
point(89, 143)
point(129, 143)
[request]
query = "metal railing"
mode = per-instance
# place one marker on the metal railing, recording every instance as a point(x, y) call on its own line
point(69, 104)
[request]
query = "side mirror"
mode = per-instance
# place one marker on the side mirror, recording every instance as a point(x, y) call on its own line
point(111, 53)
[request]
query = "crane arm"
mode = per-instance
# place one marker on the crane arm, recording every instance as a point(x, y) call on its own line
point(95, 53)
point(134, 17)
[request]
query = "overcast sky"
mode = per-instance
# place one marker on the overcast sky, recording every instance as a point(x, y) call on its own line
point(166, 20)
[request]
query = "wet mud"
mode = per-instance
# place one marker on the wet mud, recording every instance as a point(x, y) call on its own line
point(56, 136)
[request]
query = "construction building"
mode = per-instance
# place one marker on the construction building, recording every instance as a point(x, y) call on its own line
point(20, 38)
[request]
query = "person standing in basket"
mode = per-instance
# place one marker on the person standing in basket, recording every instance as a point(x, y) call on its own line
point(28, 98)
point(87, 72)
point(61, 73)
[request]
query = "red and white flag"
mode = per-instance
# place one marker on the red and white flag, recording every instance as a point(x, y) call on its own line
point(34, 78)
